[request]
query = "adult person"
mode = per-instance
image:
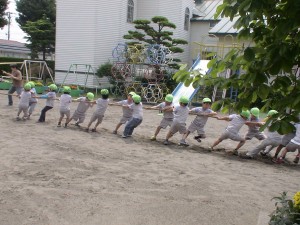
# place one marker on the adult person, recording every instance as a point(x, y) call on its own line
point(17, 83)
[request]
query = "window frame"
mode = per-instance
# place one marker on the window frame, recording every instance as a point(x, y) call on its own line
point(186, 19)
point(130, 11)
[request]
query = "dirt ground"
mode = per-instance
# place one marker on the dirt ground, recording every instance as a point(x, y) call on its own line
point(66, 176)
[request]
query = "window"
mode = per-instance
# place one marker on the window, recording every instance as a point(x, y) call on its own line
point(186, 19)
point(212, 24)
point(130, 11)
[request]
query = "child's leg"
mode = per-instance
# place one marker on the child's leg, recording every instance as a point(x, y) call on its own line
point(19, 111)
point(278, 149)
point(185, 135)
point(258, 148)
point(156, 132)
point(240, 144)
point(31, 107)
point(296, 160)
point(43, 113)
point(216, 143)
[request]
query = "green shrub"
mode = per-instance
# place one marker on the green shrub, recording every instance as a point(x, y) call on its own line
point(104, 70)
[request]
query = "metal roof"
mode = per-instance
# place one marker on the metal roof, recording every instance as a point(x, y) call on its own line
point(208, 9)
point(13, 46)
point(225, 26)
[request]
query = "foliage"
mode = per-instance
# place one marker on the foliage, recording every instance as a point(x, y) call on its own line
point(264, 70)
point(105, 70)
point(37, 19)
point(287, 211)
point(158, 33)
point(3, 7)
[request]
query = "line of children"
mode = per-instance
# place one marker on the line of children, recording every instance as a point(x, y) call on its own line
point(137, 116)
point(101, 107)
point(84, 104)
point(127, 113)
point(202, 114)
point(167, 108)
point(64, 107)
point(181, 113)
point(24, 102)
point(232, 130)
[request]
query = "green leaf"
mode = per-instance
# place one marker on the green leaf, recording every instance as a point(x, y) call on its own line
point(275, 126)
point(285, 127)
point(216, 106)
point(263, 91)
point(249, 54)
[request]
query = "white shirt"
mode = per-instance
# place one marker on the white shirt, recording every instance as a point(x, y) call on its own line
point(235, 124)
point(101, 106)
point(181, 114)
point(137, 110)
point(65, 102)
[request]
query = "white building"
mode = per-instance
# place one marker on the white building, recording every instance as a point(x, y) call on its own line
point(87, 31)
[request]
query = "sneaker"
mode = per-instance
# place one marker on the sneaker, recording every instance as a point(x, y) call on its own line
point(87, 130)
point(197, 138)
point(18, 118)
point(114, 132)
point(296, 160)
point(235, 152)
point(263, 154)
point(24, 118)
point(166, 142)
point(59, 125)
point(183, 143)
point(124, 136)
point(94, 130)
point(153, 138)
point(280, 160)
point(246, 156)
point(66, 125)
point(77, 124)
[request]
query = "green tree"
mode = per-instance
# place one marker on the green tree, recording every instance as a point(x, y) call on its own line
point(3, 7)
point(41, 16)
point(268, 65)
point(159, 33)
point(41, 35)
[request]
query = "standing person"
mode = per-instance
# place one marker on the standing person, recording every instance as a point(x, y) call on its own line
point(199, 122)
point(253, 130)
point(33, 100)
point(127, 112)
point(24, 102)
point(50, 96)
point(181, 113)
point(232, 130)
point(84, 104)
point(137, 116)
point(17, 82)
point(167, 108)
point(273, 139)
point(98, 115)
point(65, 102)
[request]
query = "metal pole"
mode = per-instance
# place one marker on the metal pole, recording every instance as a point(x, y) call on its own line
point(8, 25)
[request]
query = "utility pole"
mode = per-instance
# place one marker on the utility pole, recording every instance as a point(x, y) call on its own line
point(8, 24)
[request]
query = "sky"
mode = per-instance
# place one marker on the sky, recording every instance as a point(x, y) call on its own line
point(16, 34)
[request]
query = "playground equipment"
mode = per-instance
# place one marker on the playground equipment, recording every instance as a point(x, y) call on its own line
point(40, 67)
point(142, 69)
point(82, 75)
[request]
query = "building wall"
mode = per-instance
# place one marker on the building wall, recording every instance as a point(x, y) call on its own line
point(87, 31)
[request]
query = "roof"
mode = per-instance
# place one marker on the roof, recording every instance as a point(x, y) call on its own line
point(225, 26)
point(207, 9)
point(13, 46)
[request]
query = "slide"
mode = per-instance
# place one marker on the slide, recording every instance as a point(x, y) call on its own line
point(190, 91)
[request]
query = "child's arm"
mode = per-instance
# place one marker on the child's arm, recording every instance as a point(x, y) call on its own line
point(223, 118)
point(259, 124)
point(152, 107)
point(168, 109)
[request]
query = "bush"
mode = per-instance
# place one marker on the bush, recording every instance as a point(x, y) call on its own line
point(287, 211)
point(104, 70)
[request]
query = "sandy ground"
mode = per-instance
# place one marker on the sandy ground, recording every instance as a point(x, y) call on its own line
point(58, 176)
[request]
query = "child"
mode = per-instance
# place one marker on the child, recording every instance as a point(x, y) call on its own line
point(292, 146)
point(50, 96)
point(167, 108)
point(181, 113)
point(253, 130)
point(84, 104)
point(98, 115)
point(284, 142)
point(33, 100)
point(199, 122)
point(24, 102)
point(65, 102)
point(127, 113)
point(273, 139)
point(232, 130)
point(137, 116)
